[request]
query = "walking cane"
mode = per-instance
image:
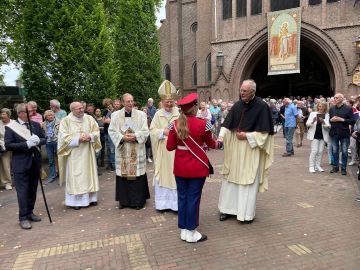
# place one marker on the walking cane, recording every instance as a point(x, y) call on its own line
point(36, 163)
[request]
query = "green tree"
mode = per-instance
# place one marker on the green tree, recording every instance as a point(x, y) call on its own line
point(137, 52)
point(65, 50)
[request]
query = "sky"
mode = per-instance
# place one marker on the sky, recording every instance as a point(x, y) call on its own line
point(11, 73)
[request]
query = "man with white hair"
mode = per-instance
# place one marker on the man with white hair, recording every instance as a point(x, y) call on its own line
point(26, 162)
point(129, 131)
point(78, 141)
point(55, 107)
point(247, 133)
point(341, 117)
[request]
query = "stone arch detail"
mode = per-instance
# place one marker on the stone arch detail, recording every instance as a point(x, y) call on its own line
point(328, 46)
point(207, 96)
point(226, 95)
point(217, 94)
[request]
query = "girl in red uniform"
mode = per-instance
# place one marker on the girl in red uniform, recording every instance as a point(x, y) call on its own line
point(191, 165)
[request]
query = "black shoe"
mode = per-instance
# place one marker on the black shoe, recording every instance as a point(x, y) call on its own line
point(287, 155)
point(343, 172)
point(203, 238)
point(334, 170)
point(249, 221)
point(76, 207)
point(34, 218)
point(93, 204)
point(223, 217)
point(138, 207)
point(25, 224)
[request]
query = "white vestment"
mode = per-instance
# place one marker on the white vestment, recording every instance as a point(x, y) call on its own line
point(77, 160)
point(164, 179)
point(246, 165)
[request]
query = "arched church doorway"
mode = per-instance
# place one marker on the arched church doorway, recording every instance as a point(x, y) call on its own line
point(315, 77)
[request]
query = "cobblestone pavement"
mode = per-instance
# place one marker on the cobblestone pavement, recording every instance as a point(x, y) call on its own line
point(304, 221)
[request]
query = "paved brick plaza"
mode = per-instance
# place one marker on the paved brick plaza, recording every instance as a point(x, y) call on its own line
point(304, 221)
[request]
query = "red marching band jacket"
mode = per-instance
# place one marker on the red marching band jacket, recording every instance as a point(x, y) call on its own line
point(191, 160)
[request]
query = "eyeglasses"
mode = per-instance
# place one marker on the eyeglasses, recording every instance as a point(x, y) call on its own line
point(336, 97)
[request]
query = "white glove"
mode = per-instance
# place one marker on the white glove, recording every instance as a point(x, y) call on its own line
point(35, 139)
point(30, 144)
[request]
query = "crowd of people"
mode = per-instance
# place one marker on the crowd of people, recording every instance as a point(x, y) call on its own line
point(123, 137)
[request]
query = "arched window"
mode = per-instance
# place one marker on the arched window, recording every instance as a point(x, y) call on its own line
point(227, 9)
point(276, 5)
point(194, 74)
point(167, 72)
point(256, 7)
point(208, 68)
point(240, 8)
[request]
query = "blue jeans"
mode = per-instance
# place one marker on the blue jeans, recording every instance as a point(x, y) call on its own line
point(51, 148)
point(344, 145)
point(189, 196)
point(110, 149)
point(289, 134)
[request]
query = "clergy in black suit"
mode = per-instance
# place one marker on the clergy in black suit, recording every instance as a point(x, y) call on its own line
point(26, 163)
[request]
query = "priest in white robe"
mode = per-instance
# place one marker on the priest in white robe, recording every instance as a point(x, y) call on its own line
point(128, 131)
point(247, 133)
point(164, 179)
point(78, 141)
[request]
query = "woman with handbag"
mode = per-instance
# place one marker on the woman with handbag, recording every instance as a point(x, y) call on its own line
point(191, 165)
point(318, 133)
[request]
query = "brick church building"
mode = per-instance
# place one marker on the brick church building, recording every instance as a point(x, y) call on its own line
point(210, 46)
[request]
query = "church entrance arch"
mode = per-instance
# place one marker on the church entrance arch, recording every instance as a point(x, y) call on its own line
point(321, 67)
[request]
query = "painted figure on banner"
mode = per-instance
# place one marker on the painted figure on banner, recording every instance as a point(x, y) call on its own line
point(284, 41)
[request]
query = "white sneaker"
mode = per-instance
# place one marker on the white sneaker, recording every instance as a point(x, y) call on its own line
point(149, 160)
point(8, 187)
point(351, 163)
point(183, 234)
point(311, 170)
point(318, 168)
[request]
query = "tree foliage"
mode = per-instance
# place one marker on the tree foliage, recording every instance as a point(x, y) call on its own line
point(137, 50)
point(82, 49)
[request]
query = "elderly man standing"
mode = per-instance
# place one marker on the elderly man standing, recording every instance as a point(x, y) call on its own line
point(247, 133)
point(78, 140)
point(55, 107)
point(129, 131)
point(290, 125)
point(164, 179)
point(5, 156)
point(26, 162)
point(341, 117)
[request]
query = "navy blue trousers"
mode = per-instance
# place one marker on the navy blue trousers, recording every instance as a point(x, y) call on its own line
point(26, 184)
point(189, 196)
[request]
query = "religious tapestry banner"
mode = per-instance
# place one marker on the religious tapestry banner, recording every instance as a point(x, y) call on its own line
point(284, 28)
